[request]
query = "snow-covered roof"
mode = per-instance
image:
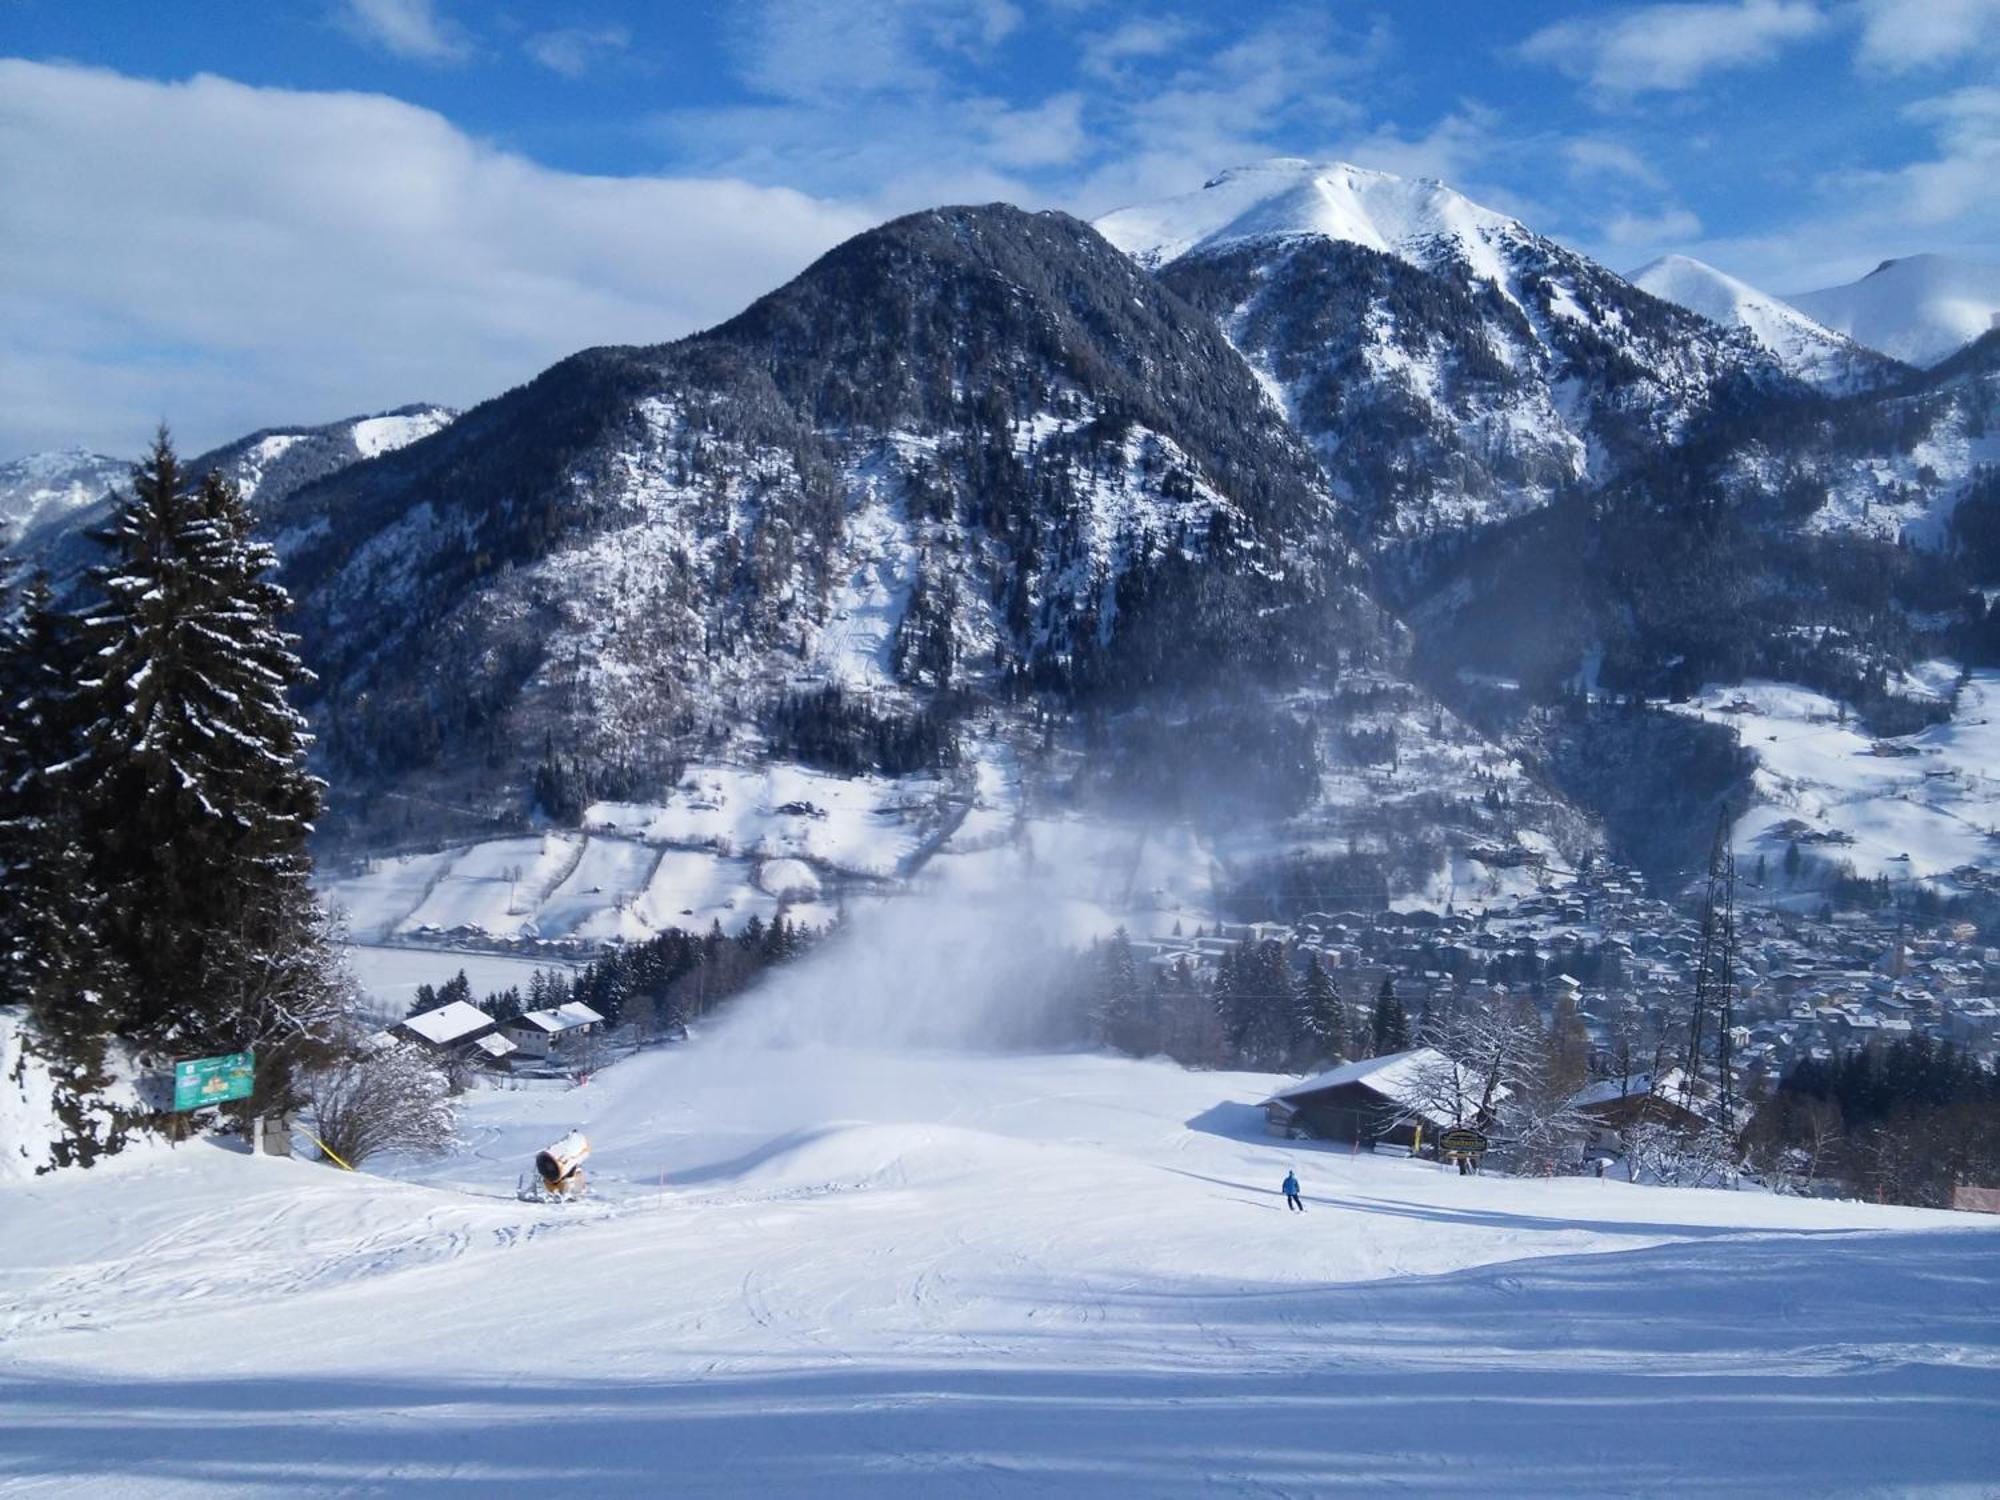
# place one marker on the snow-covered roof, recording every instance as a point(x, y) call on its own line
point(1609, 1090)
point(495, 1046)
point(1670, 1087)
point(1385, 1074)
point(565, 1017)
point(448, 1023)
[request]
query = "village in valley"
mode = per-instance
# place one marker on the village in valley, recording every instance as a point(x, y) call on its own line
point(1589, 952)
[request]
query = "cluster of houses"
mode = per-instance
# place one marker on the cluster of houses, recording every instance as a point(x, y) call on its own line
point(558, 1038)
point(1806, 984)
point(1415, 1100)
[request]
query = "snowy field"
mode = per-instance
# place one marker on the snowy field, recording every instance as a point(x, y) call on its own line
point(730, 844)
point(826, 1271)
point(1918, 807)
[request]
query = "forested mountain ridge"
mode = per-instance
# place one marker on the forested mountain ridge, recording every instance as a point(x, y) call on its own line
point(975, 456)
point(976, 465)
point(1578, 493)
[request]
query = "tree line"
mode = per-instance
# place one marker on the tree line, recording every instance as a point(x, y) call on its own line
point(657, 987)
point(1902, 1122)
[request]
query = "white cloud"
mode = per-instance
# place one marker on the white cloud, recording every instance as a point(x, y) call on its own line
point(821, 50)
point(1140, 38)
point(1898, 35)
point(1233, 102)
point(1670, 47)
point(1943, 201)
point(1452, 150)
point(1954, 186)
point(1050, 134)
point(1667, 229)
point(404, 28)
point(572, 51)
point(227, 257)
point(1589, 159)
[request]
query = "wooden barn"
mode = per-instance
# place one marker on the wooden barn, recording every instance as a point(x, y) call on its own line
point(1375, 1100)
point(1614, 1105)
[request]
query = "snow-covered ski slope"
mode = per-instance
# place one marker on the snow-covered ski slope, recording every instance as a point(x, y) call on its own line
point(828, 1272)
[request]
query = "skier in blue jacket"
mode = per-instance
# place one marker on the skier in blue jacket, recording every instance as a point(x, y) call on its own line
point(1292, 1192)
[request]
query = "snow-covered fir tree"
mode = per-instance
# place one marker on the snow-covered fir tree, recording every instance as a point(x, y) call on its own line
point(1320, 1025)
point(186, 770)
point(1390, 1028)
point(52, 955)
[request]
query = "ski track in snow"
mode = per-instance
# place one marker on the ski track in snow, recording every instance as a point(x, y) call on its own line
point(825, 1273)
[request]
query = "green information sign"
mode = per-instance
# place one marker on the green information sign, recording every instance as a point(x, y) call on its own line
point(213, 1080)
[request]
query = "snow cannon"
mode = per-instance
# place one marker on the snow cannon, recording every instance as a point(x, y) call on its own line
point(560, 1166)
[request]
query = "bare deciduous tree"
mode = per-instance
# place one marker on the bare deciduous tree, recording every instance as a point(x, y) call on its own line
point(1493, 1070)
point(395, 1097)
point(1679, 1156)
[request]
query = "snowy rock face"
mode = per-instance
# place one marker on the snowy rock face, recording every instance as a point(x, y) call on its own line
point(43, 491)
point(1814, 353)
point(50, 501)
point(1508, 423)
point(269, 465)
point(1451, 367)
point(1921, 308)
point(976, 449)
point(1422, 222)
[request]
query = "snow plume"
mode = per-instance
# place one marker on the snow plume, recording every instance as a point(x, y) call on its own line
point(924, 971)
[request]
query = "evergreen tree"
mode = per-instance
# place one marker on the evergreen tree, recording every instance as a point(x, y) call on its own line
point(455, 989)
point(189, 774)
point(505, 1005)
point(1391, 1029)
point(425, 998)
point(52, 956)
point(1320, 1031)
point(1260, 1003)
point(1118, 1001)
point(1225, 997)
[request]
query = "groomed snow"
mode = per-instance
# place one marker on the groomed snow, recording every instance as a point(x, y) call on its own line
point(840, 1273)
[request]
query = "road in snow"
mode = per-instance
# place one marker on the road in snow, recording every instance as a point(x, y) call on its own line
point(826, 1272)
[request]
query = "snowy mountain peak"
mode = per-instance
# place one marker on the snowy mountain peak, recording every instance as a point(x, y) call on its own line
point(1919, 308)
point(1806, 348)
point(1418, 220)
point(41, 490)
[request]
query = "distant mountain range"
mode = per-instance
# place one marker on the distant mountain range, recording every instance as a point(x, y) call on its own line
point(1806, 348)
point(1359, 524)
point(1919, 310)
point(49, 500)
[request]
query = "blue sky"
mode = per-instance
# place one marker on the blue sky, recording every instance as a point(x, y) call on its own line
point(236, 214)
